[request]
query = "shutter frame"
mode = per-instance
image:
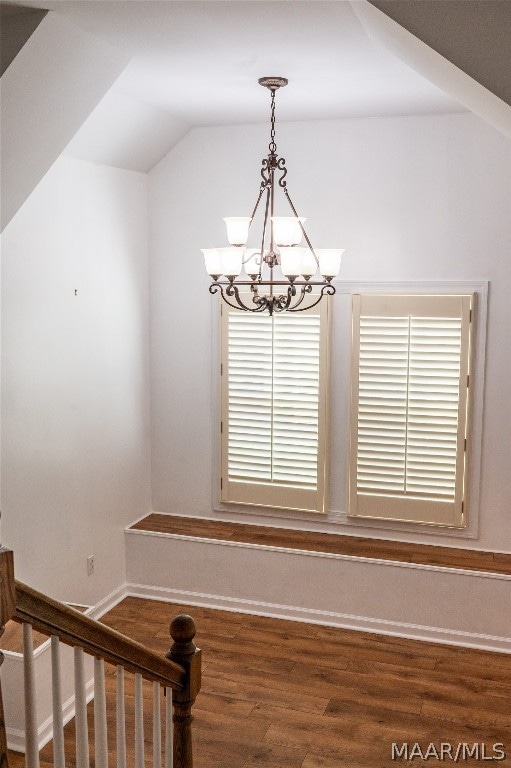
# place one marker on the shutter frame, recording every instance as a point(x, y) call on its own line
point(271, 493)
point(369, 461)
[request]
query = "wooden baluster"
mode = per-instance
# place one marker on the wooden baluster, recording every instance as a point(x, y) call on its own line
point(56, 690)
point(139, 723)
point(121, 719)
point(169, 730)
point(82, 731)
point(7, 608)
point(100, 726)
point(156, 726)
point(184, 651)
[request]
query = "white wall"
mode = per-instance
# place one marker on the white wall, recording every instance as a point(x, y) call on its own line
point(50, 88)
point(75, 430)
point(416, 198)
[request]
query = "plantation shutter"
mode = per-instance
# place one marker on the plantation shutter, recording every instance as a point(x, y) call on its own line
point(409, 400)
point(274, 372)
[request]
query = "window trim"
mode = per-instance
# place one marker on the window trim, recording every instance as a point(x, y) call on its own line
point(336, 519)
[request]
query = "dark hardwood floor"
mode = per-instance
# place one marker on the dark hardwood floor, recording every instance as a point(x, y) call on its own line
point(357, 546)
point(281, 694)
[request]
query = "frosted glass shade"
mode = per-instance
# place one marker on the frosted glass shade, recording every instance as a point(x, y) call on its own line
point(237, 229)
point(309, 264)
point(213, 261)
point(329, 261)
point(287, 230)
point(232, 261)
point(291, 260)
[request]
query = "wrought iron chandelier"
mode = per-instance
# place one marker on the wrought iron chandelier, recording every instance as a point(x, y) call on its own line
point(258, 290)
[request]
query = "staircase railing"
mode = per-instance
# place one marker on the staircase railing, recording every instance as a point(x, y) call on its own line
point(178, 674)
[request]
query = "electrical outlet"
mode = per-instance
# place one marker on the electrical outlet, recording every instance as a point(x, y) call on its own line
point(90, 565)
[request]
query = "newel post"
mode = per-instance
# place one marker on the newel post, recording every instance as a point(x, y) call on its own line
point(7, 609)
point(184, 651)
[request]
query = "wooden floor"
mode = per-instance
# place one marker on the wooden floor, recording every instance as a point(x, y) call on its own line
point(281, 694)
point(357, 546)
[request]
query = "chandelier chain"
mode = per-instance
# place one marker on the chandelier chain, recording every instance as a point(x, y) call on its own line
point(272, 146)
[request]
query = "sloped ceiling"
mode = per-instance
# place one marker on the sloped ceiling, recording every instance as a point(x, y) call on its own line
point(475, 35)
point(49, 89)
point(17, 24)
point(434, 66)
point(196, 62)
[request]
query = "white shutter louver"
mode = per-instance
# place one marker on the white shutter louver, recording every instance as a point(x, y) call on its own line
point(273, 408)
point(250, 397)
point(410, 362)
point(296, 347)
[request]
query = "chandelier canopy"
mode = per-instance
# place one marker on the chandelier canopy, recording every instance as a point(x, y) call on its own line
point(258, 289)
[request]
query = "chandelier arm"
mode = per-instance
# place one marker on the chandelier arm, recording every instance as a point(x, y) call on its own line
point(265, 169)
point(256, 206)
point(305, 289)
point(268, 194)
point(271, 256)
point(263, 283)
point(291, 293)
point(263, 303)
point(217, 288)
point(245, 259)
point(282, 302)
point(281, 165)
point(232, 290)
point(328, 290)
point(286, 192)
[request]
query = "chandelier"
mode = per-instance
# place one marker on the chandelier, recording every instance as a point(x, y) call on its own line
point(262, 287)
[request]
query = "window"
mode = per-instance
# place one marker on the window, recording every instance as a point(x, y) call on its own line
point(409, 402)
point(274, 400)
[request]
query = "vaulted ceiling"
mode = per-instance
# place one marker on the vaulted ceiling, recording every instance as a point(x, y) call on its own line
point(196, 63)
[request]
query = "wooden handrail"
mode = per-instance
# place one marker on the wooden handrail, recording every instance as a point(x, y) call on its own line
point(180, 669)
point(73, 628)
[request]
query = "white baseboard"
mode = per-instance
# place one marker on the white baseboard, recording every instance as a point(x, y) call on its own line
point(327, 618)
point(108, 602)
